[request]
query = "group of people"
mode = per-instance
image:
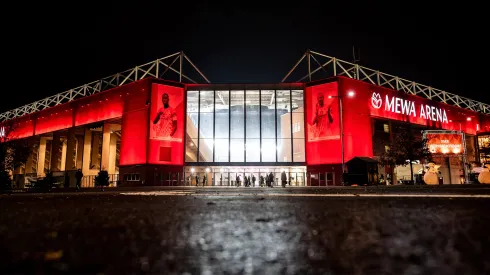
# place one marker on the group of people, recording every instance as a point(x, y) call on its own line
point(268, 180)
point(248, 181)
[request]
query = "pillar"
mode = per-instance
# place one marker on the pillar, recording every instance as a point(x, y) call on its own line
point(63, 154)
point(30, 162)
point(55, 153)
point(96, 163)
point(86, 152)
point(106, 147)
point(79, 152)
point(112, 154)
point(71, 146)
point(41, 157)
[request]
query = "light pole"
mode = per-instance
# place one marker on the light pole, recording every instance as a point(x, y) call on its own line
point(463, 136)
point(341, 111)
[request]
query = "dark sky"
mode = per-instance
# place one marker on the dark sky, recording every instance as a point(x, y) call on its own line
point(53, 47)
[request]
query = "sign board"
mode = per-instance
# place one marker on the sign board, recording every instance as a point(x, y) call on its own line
point(408, 107)
point(445, 143)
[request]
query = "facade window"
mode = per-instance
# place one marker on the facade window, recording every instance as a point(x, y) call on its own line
point(484, 148)
point(132, 177)
point(245, 126)
point(386, 128)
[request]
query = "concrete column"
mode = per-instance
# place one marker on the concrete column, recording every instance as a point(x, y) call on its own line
point(106, 147)
point(79, 153)
point(30, 162)
point(63, 154)
point(112, 154)
point(95, 151)
point(70, 163)
point(86, 152)
point(55, 153)
point(41, 157)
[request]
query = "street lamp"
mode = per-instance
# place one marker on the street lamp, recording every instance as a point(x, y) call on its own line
point(340, 97)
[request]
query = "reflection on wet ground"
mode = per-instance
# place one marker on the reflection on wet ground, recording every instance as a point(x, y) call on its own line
point(243, 233)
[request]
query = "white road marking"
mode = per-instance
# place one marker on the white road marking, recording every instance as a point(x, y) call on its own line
point(228, 194)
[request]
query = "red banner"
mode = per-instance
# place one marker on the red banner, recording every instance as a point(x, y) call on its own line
point(445, 143)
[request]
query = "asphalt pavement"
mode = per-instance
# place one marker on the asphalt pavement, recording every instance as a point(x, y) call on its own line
point(354, 230)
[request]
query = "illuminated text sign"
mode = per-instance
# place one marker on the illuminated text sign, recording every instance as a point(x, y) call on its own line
point(409, 107)
point(445, 143)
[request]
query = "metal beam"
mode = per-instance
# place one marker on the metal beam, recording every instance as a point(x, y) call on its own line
point(150, 69)
point(334, 67)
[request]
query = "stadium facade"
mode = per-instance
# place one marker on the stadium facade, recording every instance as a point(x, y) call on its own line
point(147, 129)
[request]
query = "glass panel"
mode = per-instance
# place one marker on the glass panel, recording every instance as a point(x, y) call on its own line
point(284, 150)
point(237, 150)
point(192, 123)
point(205, 150)
point(268, 150)
point(299, 150)
point(283, 106)
point(298, 125)
point(190, 151)
point(268, 115)
point(237, 114)
point(192, 126)
point(192, 98)
point(253, 149)
point(221, 150)
point(253, 114)
point(206, 102)
point(298, 100)
point(222, 115)
point(206, 125)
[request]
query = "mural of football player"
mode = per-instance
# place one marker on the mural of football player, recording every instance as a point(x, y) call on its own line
point(323, 116)
point(165, 122)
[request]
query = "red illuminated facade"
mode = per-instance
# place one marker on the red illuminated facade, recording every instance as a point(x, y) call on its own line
point(338, 112)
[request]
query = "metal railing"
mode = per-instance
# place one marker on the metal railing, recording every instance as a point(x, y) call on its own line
point(337, 67)
point(89, 181)
point(157, 69)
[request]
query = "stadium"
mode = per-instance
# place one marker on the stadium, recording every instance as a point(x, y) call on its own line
point(155, 125)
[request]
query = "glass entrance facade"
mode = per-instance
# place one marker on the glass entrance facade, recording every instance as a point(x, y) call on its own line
point(228, 176)
point(245, 126)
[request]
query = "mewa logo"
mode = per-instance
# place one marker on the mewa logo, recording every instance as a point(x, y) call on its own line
point(376, 100)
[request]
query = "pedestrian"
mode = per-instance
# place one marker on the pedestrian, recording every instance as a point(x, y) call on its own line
point(78, 177)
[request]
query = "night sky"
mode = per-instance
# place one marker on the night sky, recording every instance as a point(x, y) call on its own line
point(51, 47)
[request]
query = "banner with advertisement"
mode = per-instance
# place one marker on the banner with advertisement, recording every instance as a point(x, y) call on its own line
point(166, 125)
point(445, 143)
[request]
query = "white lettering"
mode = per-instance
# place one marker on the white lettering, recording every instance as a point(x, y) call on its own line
point(2, 132)
point(439, 115)
point(412, 109)
point(422, 112)
point(407, 107)
point(389, 104)
point(444, 116)
point(397, 106)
